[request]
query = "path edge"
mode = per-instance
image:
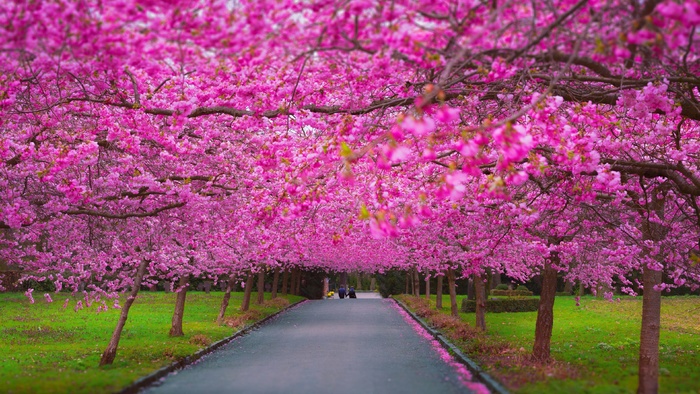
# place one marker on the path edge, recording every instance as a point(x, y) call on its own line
point(146, 381)
point(481, 376)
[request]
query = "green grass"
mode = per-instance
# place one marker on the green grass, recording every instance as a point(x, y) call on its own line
point(45, 348)
point(600, 340)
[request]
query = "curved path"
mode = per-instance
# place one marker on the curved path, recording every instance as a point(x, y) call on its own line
point(325, 346)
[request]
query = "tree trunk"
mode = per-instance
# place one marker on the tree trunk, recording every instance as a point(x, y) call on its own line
point(372, 283)
point(471, 293)
point(261, 286)
point(296, 282)
point(111, 352)
point(416, 283)
point(545, 313)
point(176, 327)
point(245, 305)
point(427, 285)
point(300, 276)
point(359, 281)
point(408, 280)
point(293, 281)
point(568, 287)
point(495, 280)
point(651, 306)
point(651, 327)
point(438, 296)
point(453, 292)
point(224, 302)
point(480, 290)
point(285, 281)
point(275, 282)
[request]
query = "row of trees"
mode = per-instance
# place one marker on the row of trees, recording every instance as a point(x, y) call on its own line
point(146, 140)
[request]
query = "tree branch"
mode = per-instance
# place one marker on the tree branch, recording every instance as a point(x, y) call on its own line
point(108, 215)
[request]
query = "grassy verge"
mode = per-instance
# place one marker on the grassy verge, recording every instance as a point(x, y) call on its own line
point(595, 346)
point(45, 348)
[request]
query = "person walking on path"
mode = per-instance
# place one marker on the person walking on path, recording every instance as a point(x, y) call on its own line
point(351, 293)
point(341, 292)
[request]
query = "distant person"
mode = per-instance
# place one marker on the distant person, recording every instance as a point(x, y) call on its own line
point(341, 292)
point(351, 292)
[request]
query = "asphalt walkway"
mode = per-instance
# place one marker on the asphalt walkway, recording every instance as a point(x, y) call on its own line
point(332, 346)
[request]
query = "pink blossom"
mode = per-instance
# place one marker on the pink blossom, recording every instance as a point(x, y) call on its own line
point(28, 294)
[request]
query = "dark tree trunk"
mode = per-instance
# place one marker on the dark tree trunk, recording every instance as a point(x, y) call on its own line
point(427, 285)
point(651, 327)
point(438, 296)
point(408, 281)
point(293, 281)
point(275, 282)
point(416, 282)
point(545, 313)
point(261, 286)
point(471, 293)
point(480, 290)
point(568, 287)
point(300, 276)
point(453, 292)
point(495, 280)
point(225, 301)
point(176, 327)
point(359, 281)
point(111, 352)
point(285, 281)
point(372, 283)
point(245, 305)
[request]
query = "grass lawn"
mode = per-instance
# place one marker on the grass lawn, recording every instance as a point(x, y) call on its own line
point(45, 348)
point(600, 343)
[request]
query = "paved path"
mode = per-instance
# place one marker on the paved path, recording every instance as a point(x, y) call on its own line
point(325, 346)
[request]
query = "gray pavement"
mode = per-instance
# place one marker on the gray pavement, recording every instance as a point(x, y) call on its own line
point(330, 346)
point(361, 294)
